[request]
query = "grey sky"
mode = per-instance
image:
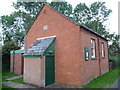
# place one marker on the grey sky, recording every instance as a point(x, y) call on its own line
point(112, 23)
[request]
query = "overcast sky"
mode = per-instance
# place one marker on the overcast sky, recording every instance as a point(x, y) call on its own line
point(6, 8)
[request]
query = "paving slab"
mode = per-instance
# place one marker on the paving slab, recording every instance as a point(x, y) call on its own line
point(17, 85)
point(116, 84)
point(15, 77)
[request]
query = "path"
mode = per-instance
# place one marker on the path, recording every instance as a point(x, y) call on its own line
point(16, 77)
point(16, 85)
point(117, 84)
point(56, 85)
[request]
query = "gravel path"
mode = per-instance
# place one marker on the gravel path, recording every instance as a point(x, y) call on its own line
point(16, 77)
point(17, 85)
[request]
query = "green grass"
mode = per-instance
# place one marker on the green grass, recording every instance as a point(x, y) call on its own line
point(107, 80)
point(19, 80)
point(6, 75)
point(9, 74)
point(0, 80)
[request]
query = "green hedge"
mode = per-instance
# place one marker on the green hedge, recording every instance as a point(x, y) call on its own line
point(115, 61)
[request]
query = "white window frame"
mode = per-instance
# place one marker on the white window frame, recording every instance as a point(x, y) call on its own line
point(103, 50)
point(93, 48)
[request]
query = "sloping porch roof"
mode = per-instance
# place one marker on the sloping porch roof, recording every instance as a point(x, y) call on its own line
point(39, 46)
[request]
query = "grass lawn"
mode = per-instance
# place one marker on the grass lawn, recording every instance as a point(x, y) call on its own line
point(19, 80)
point(107, 80)
point(6, 75)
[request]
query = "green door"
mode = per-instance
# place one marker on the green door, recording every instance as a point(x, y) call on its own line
point(49, 70)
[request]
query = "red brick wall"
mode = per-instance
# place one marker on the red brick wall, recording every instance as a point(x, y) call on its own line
point(34, 71)
point(104, 61)
point(18, 63)
point(67, 58)
point(70, 66)
point(11, 56)
point(91, 68)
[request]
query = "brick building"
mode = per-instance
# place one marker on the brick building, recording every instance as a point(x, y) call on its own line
point(16, 61)
point(60, 50)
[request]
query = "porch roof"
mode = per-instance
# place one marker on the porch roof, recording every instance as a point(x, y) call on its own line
point(39, 46)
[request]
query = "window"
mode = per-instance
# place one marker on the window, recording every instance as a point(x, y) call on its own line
point(93, 48)
point(103, 51)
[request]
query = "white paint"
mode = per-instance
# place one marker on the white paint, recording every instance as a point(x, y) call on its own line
point(45, 27)
point(46, 37)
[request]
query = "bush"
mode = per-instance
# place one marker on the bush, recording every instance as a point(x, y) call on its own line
point(115, 61)
point(5, 62)
point(112, 63)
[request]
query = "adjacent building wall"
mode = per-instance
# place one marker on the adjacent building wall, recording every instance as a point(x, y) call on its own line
point(16, 63)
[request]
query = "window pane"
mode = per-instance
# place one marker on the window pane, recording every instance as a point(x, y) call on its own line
point(103, 53)
point(93, 48)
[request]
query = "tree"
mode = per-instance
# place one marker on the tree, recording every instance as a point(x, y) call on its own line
point(14, 27)
point(114, 47)
point(17, 24)
point(62, 7)
point(92, 16)
point(97, 27)
point(32, 8)
point(97, 11)
point(8, 46)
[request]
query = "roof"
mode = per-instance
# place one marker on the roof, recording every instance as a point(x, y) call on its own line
point(90, 30)
point(71, 20)
point(77, 23)
point(40, 46)
point(17, 51)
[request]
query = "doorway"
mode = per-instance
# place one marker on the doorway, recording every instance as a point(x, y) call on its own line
point(49, 70)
